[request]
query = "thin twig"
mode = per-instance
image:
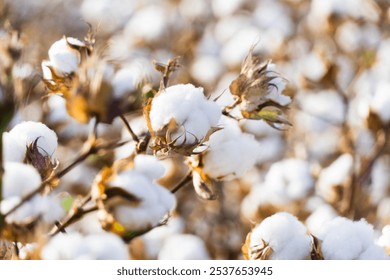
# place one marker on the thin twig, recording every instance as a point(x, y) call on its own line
point(183, 182)
point(77, 214)
point(126, 123)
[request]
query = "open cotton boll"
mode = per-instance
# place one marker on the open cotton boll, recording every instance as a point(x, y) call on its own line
point(108, 15)
point(154, 201)
point(154, 239)
point(384, 239)
point(380, 102)
point(187, 106)
point(222, 8)
point(344, 239)
point(74, 246)
point(63, 58)
point(149, 23)
point(284, 235)
point(206, 69)
point(183, 247)
point(20, 180)
point(15, 141)
point(319, 217)
point(231, 152)
point(291, 179)
point(335, 175)
point(332, 105)
point(380, 178)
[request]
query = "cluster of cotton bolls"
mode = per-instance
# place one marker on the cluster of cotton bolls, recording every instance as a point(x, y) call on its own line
point(115, 121)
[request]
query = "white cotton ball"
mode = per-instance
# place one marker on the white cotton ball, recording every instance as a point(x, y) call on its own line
point(149, 23)
point(154, 239)
point(380, 102)
point(189, 108)
point(332, 106)
point(384, 239)
point(231, 152)
point(314, 67)
point(74, 246)
point(290, 179)
point(154, 200)
point(63, 58)
point(150, 166)
point(348, 240)
point(335, 174)
point(15, 141)
point(183, 247)
point(319, 217)
point(206, 69)
point(19, 179)
point(285, 235)
point(108, 15)
point(222, 8)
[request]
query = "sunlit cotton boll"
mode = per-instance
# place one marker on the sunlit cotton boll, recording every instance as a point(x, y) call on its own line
point(344, 239)
point(285, 235)
point(183, 247)
point(231, 152)
point(63, 58)
point(19, 180)
point(187, 106)
point(16, 141)
point(154, 200)
point(384, 239)
point(74, 246)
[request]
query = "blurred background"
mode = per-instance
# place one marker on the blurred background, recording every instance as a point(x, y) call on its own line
point(335, 160)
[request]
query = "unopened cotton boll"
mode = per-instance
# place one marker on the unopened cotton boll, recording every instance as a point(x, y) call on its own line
point(231, 152)
point(16, 141)
point(74, 246)
point(183, 247)
point(63, 57)
point(187, 106)
point(344, 239)
point(284, 235)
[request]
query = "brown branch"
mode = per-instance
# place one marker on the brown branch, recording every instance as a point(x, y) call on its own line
point(126, 123)
point(183, 182)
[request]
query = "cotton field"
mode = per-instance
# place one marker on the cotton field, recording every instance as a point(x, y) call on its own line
point(195, 130)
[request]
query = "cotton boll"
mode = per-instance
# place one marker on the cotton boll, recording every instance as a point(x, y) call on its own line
point(384, 239)
point(381, 101)
point(149, 23)
point(195, 10)
point(63, 58)
point(314, 66)
point(285, 235)
point(206, 69)
point(20, 180)
point(188, 107)
point(154, 239)
point(290, 179)
point(231, 152)
point(380, 179)
point(222, 8)
point(319, 217)
point(183, 247)
point(332, 105)
point(335, 175)
point(108, 15)
point(348, 240)
point(74, 246)
point(24, 134)
point(153, 201)
point(236, 48)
